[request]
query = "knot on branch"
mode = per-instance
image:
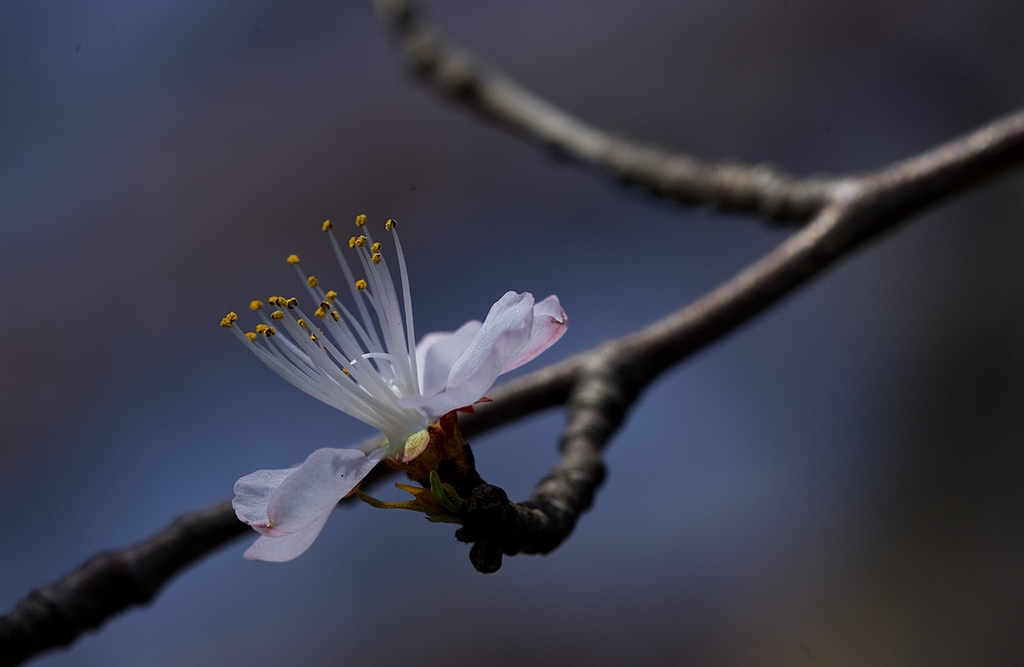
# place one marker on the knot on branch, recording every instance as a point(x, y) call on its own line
point(497, 526)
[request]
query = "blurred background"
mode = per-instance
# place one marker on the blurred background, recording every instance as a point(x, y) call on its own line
point(836, 483)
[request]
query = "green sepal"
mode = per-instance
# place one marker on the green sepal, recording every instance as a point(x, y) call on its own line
point(386, 505)
point(424, 500)
point(444, 493)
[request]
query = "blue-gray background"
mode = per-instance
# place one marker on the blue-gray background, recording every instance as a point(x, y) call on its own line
point(837, 483)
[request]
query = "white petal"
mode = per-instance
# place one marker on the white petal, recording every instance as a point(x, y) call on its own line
point(289, 507)
point(438, 352)
point(315, 487)
point(498, 341)
point(287, 547)
point(253, 493)
point(549, 324)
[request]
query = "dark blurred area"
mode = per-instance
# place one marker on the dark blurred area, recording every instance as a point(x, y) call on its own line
point(836, 483)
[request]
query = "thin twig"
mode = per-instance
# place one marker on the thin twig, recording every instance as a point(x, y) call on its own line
point(684, 178)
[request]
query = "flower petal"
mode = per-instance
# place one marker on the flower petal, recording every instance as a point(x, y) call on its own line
point(549, 324)
point(504, 332)
point(289, 507)
point(438, 352)
point(252, 495)
point(286, 547)
point(315, 487)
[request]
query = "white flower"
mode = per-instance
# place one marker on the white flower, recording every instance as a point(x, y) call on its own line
point(366, 364)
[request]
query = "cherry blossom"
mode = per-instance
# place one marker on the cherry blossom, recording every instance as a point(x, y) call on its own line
point(364, 361)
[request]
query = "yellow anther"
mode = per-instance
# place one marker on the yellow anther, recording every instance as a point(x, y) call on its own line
point(255, 304)
point(334, 315)
point(276, 301)
point(320, 312)
point(375, 257)
point(327, 225)
point(375, 248)
point(360, 284)
point(325, 305)
point(270, 332)
point(312, 336)
point(352, 242)
point(251, 335)
point(228, 320)
point(302, 323)
point(360, 220)
point(359, 241)
point(313, 282)
point(390, 224)
point(277, 315)
point(260, 328)
point(291, 303)
point(345, 371)
point(293, 259)
point(331, 295)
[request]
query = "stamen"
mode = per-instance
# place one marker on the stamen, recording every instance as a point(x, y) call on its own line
point(269, 331)
point(367, 327)
point(384, 299)
point(228, 320)
point(407, 301)
point(359, 368)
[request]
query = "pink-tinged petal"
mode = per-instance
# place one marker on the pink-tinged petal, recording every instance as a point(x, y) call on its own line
point(287, 547)
point(504, 332)
point(253, 493)
point(438, 352)
point(549, 324)
point(315, 487)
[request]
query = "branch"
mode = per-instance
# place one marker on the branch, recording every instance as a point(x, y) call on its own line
point(599, 385)
point(684, 178)
point(602, 384)
point(111, 582)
